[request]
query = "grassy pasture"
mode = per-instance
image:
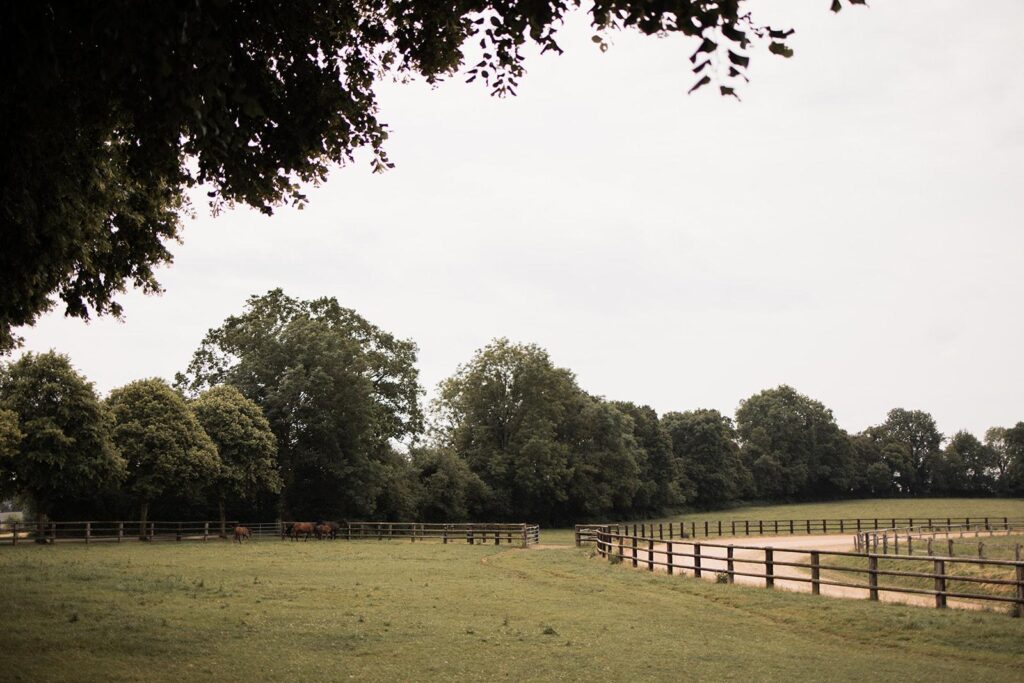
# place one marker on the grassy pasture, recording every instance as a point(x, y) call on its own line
point(847, 509)
point(372, 610)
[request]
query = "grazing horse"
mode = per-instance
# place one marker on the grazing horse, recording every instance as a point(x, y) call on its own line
point(242, 534)
point(305, 529)
point(335, 529)
point(322, 531)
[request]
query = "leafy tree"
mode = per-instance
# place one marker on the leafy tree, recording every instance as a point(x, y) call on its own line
point(245, 444)
point(921, 442)
point(336, 390)
point(167, 451)
point(58, 449)
point(871, 473)
point(965, 467)
point(448, 490)
point(546, 449)
point(247, 100)
point(704, 442)
point(604, 461)
point(10, 437)
point(663, 481)
point(793, 446)
point(1012, 482)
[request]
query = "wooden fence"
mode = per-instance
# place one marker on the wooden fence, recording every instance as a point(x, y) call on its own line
point(694, 556)
point(936, 539)
point(14, 533)
point(777, 527)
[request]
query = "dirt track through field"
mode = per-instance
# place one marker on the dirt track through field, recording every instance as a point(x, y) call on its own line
point(786, 549)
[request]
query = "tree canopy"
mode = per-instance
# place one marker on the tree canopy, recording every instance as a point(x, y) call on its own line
point(57, 447)
point(337, 391)
point(167, 452)
point(792, 445)
point(112, 111)
point(245, 444)
point(704, 442)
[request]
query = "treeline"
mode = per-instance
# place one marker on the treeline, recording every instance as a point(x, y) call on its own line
point(303, 409)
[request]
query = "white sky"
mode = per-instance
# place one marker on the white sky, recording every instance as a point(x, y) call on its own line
point(852, 227)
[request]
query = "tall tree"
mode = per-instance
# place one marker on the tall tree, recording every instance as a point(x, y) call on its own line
point(793, 446)
point(1012, 481)
point(337, 391)
point(448, 490)
point(248, 100)
point(870, 465)
point(245, 444)
point(915, 432)
point(966, 467)
point(546, 449)
point(663, 481)
point(64, 451)
point(704, 442)
point(167, 452)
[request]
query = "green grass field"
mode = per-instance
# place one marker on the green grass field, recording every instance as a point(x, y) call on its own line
point(397, 611)
point(847, 509)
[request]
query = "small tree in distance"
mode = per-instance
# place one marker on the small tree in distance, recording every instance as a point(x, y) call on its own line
point(245, 444)
point(166, 449)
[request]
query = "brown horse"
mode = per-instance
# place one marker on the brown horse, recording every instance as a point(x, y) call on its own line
point(322, 531)
point(305, 529)
point(242, 534)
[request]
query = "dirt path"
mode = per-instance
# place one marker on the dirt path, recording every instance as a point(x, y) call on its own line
point(786, 549)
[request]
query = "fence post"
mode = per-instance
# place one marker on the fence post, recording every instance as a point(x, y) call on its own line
point(719, 528)
point(910, 544)
point(206, 530)
point(661, 531)
point(1018, 608)
point(873, 577)
point(776, 527)
point(53, 532)
point(705, 529)
point(808, 526)
point(14, 533)
point(769, 568)
point(152, 530)
point(949, 547)
point(671, 564)
point(760, 527)
point(696, 560)
point(693, 529)
point(841, 524)
point(120, 531)
point(940, 583)
point(746, 527)
point(730, 567)
point(815, 573)
point(791, 527)
point(634, 552)
point(650, 555)
point(621, 543)
point(981, 550)
point(734, 527)
point(858, 524)
point(88, 531)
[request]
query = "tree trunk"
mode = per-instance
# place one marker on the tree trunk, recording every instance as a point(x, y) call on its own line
point(40, 526)
point(143, 513)
point(223, 522)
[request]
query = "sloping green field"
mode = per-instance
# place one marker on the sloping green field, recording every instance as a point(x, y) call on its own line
point(396, 611)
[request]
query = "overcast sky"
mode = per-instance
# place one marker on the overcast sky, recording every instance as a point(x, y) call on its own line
point(852, 228)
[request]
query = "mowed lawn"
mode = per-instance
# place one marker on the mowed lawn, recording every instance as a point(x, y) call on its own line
point(399, 611)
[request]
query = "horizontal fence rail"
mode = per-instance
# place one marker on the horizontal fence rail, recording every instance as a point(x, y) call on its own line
point(14, 533)
point(779, 527)
point(940, 539)
point(976, 580)
point(473, 533)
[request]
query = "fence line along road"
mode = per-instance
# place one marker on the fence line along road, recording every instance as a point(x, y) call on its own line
point(14, 533)
point(969, 581)
point(776, 527)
